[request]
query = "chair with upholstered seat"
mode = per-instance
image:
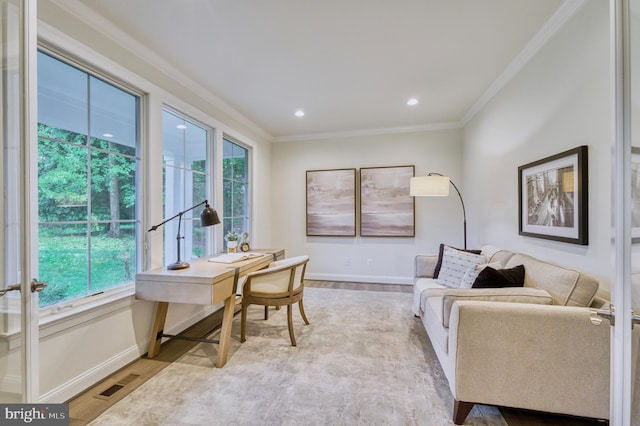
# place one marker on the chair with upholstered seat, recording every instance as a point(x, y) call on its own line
point(282, 283)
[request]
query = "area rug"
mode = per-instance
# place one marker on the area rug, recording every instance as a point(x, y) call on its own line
point(363, 360)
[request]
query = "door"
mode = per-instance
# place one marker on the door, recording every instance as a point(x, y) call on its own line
point(18, 309)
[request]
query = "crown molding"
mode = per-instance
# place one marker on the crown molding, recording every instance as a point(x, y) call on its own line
point(564, 13)
point(115, 34)
point(367, 132)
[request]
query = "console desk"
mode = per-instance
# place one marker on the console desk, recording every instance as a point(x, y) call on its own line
point(203, 283)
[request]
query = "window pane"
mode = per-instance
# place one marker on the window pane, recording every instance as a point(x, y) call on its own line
point(62, 257)
point(62, 182)
point(235, 187)
point(113, 258)
point(113, 188)
point(173, 139)
point(185, 176)
point(86, 245)
point(113, 114)
point(62, 96)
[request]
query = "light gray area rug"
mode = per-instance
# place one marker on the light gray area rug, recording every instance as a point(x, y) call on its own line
point(363, 360)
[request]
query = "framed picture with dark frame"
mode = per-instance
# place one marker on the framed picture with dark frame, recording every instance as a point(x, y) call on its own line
point(635, 195)
point(553, 197)
point(331, 202)
point(386, 208)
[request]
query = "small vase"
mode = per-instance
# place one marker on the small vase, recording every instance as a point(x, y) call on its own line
point(232, 246)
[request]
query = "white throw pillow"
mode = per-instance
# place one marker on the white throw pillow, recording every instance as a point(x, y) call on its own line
point(472, 273)
point(455, 264)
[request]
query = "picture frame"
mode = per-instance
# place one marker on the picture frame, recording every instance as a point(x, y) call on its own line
point(331, 202)
point(386, 207)
point(635, 195)
point(553, 197)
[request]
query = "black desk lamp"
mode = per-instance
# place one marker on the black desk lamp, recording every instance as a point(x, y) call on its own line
point(208, 217)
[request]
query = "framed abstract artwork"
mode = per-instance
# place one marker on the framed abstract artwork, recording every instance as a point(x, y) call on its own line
point(331, 202)
point(386, 208)
point(553, 197)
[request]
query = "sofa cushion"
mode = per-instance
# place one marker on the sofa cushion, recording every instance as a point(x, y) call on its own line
point(501, 256)
point(496, 278)
point(568, 287)
point(436, 271)
point(454, 265)
point(419, 288)
point(510, 294)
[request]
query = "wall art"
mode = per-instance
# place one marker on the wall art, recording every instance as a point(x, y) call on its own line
point(386, 208)
point(553, 197)
point(331, 202)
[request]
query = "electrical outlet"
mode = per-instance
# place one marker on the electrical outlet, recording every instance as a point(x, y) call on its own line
point(370, 262)
point(347, 261)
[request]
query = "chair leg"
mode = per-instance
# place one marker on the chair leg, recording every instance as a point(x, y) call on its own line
point(266, 313)
point(304, 317)
point(243, 323)
point(290, 322)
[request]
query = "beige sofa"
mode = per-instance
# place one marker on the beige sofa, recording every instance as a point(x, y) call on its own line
point(531, 347)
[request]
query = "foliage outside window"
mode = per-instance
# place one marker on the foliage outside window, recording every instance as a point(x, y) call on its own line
point(235, 166)
point(88, 132)
point(185, 176)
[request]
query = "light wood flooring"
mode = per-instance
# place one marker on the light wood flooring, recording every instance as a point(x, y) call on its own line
point(88, 405)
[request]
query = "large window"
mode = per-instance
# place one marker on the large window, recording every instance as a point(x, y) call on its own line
point(185, 176)
point(88, 138)
point(235, 166)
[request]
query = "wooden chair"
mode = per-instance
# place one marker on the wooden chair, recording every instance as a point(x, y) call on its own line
point(282, 283)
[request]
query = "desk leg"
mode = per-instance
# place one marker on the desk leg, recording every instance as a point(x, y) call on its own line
point(158, 329)
point(225, 331)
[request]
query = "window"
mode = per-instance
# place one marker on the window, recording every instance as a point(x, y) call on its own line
point(88, 138)
point(235, 166)
point(185, 177)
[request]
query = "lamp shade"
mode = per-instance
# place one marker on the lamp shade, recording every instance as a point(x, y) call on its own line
point(209, 216)
point(429, 186)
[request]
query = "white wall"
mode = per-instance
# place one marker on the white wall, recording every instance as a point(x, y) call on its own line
point(560, 100)
point(345, 258)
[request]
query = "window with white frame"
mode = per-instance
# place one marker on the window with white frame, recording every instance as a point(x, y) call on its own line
point(186, 178)
point(88, 162)
point(235, 166)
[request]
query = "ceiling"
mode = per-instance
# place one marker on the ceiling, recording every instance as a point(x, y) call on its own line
point(351, 65)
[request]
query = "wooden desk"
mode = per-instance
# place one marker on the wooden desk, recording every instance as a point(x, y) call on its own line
point(203, 283)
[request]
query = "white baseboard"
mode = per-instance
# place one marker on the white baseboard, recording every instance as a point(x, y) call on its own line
point(359, 278)
point(89, 378)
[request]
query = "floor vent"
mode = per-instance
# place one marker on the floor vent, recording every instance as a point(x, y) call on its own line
point(110, 391)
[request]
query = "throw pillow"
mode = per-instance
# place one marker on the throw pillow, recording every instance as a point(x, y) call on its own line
point(454, 265)
point(472, 273)
point(495, 278)
point(436, 271)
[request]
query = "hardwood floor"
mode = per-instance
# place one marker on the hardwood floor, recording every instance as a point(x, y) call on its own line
point(94, 401)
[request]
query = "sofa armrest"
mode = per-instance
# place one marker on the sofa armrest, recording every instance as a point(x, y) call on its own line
point(507, 294)
point(539, 357)
point(425, 266)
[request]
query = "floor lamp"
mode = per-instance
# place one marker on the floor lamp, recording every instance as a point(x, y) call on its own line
point(436, 185)
point(208, 217)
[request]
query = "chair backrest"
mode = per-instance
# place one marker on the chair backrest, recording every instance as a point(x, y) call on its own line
point(280, 276)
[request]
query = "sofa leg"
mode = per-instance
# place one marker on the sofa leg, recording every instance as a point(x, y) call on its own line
point(461, 410)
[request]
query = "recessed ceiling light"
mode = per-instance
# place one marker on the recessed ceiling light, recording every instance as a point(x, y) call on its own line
point(181, 126)
point(299, 113)
point(412, 102)
point(107, 135)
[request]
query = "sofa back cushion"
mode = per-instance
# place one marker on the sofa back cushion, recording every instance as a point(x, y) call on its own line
point(501, 256)
point(567, 286)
